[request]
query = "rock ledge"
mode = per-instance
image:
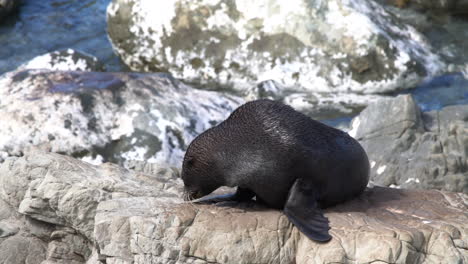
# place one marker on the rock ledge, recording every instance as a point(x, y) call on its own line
point(56, 209)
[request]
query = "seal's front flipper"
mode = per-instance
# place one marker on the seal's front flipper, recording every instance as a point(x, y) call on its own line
point(241, 195)
point(302, 210)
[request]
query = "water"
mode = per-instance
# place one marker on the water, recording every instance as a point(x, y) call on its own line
point(448, 89)
point(44, 26)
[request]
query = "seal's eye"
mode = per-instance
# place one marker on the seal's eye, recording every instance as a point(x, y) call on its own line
point(190, 161)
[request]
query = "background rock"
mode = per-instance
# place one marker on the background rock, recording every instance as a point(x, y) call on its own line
point(64, 60)
point(442, 22)
point(321, 46)
point(105, 116)
point(108, 214)
point(437, 6)
point(412, 149)
point(320, 106)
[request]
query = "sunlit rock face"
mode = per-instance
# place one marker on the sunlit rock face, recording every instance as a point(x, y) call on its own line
point(56, 209)
point(105, 117)
point(64, 60)
point(324, 46)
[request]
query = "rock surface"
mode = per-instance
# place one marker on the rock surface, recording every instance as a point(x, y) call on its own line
point(319, 106)
point(321, 46)
point(48, 203)
point(412, 149)
point(73, 212)
point(64, 60)
point(437, 6)
point(105, 116)
point(442, 22)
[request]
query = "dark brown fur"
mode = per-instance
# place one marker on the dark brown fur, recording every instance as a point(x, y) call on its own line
point(284, 158)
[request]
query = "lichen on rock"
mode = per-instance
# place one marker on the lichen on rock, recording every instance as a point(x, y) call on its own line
point(320, 46)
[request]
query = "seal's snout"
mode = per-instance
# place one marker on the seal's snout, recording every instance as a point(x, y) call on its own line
point(186, 196)
point(191, 195)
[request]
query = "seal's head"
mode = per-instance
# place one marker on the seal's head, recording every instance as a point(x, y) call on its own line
point(199, 168)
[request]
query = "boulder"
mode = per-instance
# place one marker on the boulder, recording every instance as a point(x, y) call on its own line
point(105, 116)
point(64, 60)
point(314, 46)
point(408, 148)
point(442, 22)
point(20, 238)
point(108, 214)
point(320, 106)
point(437, 6)
point(51, 202)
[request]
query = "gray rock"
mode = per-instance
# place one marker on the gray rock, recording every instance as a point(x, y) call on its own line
point(22, 250)
point(64, 60)
point(310, 46)
point(408, 148)
point(48, 187)
point(113, 215)
point(268, 89)
point(323, 106)
point(8, 229)
point(105, 116)
point(439, 6)
point(441, 22)
point(7, 6)
point(320, 106)
point(432, 6)
point(58, 196)
point(18, 245)
point(387, 225)
point(66, 246)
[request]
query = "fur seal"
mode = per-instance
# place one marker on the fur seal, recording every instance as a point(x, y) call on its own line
point(284, 158)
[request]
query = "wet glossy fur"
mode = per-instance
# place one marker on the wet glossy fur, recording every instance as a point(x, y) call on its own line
point(284, 158)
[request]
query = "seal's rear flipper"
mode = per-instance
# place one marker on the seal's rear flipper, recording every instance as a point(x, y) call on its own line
point(241, 195)
point(302, 210)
